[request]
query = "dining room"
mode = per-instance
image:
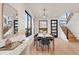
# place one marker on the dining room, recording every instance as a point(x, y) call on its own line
point(42, 30)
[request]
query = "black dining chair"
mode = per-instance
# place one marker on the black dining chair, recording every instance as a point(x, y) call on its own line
point(35, 38)
point(38, 42)
point(39, 39)
point(45, 42)
point(51, 40)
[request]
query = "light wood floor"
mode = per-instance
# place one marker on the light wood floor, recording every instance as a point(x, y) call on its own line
point(61, 48)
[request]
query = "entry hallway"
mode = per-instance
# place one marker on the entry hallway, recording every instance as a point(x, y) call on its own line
point(61, 48)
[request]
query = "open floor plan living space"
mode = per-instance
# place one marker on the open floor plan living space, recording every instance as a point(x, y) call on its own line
point(39, 28)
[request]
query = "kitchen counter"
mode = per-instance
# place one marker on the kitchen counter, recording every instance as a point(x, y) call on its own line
point(19, 48)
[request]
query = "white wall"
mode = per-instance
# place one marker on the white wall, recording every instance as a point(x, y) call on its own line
point(6, 10)
point(73, 25)
point(0, 20)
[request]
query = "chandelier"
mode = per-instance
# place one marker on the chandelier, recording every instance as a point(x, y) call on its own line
point(44, 13)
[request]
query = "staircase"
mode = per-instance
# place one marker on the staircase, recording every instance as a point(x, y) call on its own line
point(69, 17)
point(70, 36)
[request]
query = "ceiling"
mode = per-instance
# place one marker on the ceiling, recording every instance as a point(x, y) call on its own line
point(53, 10)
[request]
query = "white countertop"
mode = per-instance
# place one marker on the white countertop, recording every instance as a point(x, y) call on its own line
point(17, 50)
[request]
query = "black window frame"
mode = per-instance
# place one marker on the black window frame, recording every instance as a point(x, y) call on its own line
point(28, 30)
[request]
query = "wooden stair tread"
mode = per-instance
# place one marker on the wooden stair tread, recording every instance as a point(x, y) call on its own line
point(71, 36)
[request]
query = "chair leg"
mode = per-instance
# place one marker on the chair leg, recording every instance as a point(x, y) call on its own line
point(39, 43)
point(53, 45)
point(42, 47)
point(48, 48)
point(34, 43)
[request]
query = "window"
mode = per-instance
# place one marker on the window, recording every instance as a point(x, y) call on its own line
point(43, 26)
point(28, 24)
point(63, 20)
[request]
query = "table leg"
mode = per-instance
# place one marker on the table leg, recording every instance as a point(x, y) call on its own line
point(53, 45)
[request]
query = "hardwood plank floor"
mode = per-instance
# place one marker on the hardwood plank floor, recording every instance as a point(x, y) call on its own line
point(61, 48)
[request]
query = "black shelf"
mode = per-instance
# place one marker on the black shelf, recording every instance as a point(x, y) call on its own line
point(15, 26)
point(54, 28)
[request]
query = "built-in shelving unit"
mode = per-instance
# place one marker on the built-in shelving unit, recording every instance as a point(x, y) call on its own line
point(15, 26)
point(54, 28)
